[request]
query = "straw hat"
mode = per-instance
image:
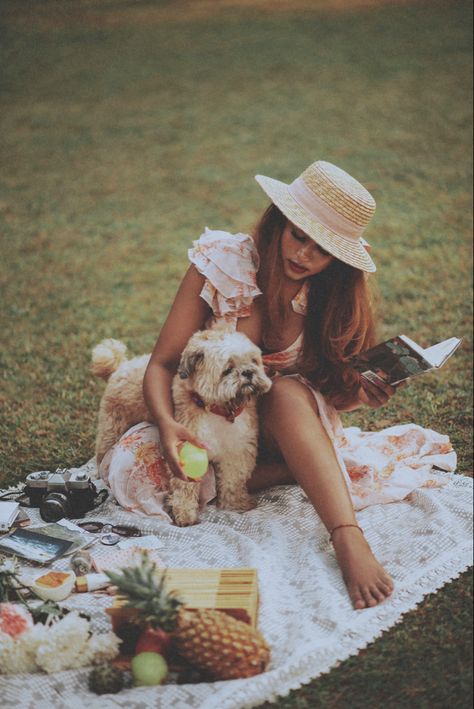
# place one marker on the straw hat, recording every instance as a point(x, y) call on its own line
point(330, 206)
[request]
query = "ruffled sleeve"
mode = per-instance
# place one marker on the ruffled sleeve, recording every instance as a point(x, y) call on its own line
point(229, 263)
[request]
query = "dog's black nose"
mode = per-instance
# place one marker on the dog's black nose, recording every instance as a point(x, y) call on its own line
point(248, 373)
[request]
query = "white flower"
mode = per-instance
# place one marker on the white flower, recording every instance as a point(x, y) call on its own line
point(103, 647)
point(64, 647)
point(16, 656)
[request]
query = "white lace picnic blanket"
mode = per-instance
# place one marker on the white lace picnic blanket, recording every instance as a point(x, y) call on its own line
point(305, 613)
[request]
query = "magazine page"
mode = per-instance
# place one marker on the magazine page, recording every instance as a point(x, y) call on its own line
point(391, 362)
point(8, 513)
point(438, 354)
point(47, 542)
point(33, 545)
point(65, 529)
point(415, 346)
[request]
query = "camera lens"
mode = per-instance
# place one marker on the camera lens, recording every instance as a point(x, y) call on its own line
point(54, 506)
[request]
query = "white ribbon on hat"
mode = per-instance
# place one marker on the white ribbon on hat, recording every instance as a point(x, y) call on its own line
point(323, 212)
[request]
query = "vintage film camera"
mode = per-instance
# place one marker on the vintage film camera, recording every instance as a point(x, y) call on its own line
point(63, 493)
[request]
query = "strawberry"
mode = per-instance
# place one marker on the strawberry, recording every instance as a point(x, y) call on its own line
point(154, 640)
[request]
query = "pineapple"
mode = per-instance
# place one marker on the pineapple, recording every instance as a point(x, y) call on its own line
point(209, 640)
point(219, 645)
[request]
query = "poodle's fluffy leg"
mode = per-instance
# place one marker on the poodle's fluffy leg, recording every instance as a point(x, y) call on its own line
point(111, 425)
point(183, 502)
point(231, 483)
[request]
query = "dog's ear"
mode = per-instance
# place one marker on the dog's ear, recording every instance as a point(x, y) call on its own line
point(188, 363)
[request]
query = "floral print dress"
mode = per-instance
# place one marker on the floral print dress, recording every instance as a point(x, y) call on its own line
point(379, 467)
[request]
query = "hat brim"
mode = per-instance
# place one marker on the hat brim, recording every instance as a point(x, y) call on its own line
point(344, 249)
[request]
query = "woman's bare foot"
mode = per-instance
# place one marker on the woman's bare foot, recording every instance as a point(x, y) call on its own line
point(367, 581)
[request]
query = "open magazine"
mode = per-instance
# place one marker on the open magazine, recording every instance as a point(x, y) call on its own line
point(400, 358)
point(46, 543)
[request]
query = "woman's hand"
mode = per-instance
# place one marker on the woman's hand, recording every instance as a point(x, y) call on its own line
point(375, 395)
point(172, 436)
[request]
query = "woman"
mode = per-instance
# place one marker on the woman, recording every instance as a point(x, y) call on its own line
point(298, 289)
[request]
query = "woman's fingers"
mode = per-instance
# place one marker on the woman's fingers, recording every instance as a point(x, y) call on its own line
point(172, 442)
point(170, 445)
point(175, 465)
point(371, 396)
point(171, 455)
point(384, 389)
point(182, 435)
point(376, 394)
point(196, 442)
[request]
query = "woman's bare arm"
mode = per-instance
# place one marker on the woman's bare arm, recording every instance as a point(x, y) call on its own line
point(251, 325)
point(188, 314)
point(371, 395)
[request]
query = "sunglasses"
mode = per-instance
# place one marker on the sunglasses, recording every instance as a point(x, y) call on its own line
point(109, 533)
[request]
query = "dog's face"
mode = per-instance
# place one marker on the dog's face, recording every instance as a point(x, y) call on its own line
point(223, 367)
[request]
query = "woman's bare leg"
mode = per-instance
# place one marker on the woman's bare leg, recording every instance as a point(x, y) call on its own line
point(267, 474)
point(289, 415)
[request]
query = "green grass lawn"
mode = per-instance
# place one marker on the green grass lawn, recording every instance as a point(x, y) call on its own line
point(129, 126)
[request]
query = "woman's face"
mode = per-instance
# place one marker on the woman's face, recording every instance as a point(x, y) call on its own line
point(302, 257)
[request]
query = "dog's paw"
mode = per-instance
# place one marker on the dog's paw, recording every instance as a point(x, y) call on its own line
point(182, 503)
point(181, 519)
point(243, 503)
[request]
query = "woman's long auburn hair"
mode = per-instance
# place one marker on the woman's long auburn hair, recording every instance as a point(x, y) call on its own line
point(339, 322)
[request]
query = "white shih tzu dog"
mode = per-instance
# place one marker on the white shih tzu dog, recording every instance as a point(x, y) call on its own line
point(214, 392)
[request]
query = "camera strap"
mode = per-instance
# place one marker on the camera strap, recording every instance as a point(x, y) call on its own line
point(102, 495)
point(16, 494)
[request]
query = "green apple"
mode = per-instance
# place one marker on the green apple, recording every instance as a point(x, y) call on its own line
point(194, 460)
point(149, 668)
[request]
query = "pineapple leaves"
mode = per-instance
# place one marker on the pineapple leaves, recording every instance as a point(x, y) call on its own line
point(144, 588)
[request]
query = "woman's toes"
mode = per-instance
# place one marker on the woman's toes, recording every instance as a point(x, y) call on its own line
point(357, 601)
point(370, 600)
point(387, 580)
point(378, 594)
point(385, 588)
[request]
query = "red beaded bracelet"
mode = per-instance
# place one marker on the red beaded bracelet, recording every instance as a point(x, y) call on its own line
point(339, 526)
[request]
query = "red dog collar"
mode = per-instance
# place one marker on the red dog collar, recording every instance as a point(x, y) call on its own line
point(230, 414)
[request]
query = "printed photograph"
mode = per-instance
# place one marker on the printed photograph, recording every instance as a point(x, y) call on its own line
point(34, 546)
